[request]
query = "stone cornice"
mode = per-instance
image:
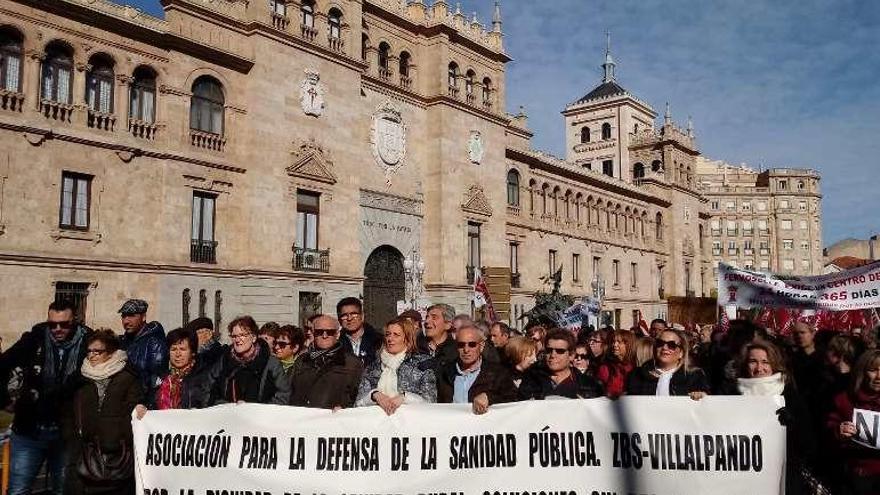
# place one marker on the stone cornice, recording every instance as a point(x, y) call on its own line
point(43, 135)
point(167, 268)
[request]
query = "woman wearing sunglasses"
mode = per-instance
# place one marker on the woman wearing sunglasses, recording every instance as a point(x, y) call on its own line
point(287, 344)
point(668, 373)
point(400, 375)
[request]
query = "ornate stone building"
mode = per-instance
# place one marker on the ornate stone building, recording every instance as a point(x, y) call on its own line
point(766, 221)
point(244, 157)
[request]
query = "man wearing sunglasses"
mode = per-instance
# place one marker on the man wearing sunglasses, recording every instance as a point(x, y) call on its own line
point(325, 376)
point(470, 378)
point(557, 377)
point(50, 356)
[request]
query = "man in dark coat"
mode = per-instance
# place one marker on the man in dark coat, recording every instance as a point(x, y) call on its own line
point(326, 375)
point(49, 357)
point(472, 379)
point(359, 338)
point(556, 376)
point(145, 345)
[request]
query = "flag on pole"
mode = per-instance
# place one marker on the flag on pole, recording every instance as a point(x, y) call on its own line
point(723, 321)
point(482, 297)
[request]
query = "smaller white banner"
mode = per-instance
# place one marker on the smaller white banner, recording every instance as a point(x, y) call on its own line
point(858, 288)
point(867, 428)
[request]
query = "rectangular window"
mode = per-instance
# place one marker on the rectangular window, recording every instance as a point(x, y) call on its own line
point(634, 275)
point(785, 225)
point(474, 244)
point(747, 245)
point(608, 168)
point(716, 247)
point(310, 304)
point(575, 268)
point(784, 204)
point(307, 216)
point(783, 185)
point(597, 264)
point(514, 257)
point(731, 247)
point(762, 225)
point(731, 206)
point(76, 293)
point(202, 245)
point(714, 205)
point(615, 273)
point(747, 227)
point(76, 199)
point(787, 244)
point(551, 261)
point(687, 279)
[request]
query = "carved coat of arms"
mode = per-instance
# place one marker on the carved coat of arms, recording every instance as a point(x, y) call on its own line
point(475, 147)
point(388, 137)
point(311, 93)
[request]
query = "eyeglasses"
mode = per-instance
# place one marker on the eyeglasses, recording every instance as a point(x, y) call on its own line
point(324, 332)
point(594, 341)
point(462, 345)
point(669, 344)
point(239, 336)
point(64, 325)
point(282, 345)
point(557, 350)
point(348, 316)
point(96, 352)
point(582, 356)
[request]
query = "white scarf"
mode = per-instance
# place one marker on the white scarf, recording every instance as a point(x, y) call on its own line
point(388, 380)
point(107, 368)
point(765, 385)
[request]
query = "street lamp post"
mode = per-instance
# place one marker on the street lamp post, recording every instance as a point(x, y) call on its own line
point(414, 273)
point(598, 286)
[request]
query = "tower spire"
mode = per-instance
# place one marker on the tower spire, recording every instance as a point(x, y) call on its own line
point(496, 17)
point(609, 64)
point(667, 117)
point(690, 126)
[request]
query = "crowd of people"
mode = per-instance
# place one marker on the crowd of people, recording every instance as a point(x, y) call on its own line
point(73, 389)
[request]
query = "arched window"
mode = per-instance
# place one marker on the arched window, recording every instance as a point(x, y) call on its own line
point(556, 194)
point(452, 75)
point(532, 187)
point(585, 134)
point(636, 128)
point(405, 60)
point(658, 224)
point(638, 171)
point(334, 23)
point(568, 198)
point(487, 91)
point(365, 46)
point(58, 73)
point(701, 237)
point(384, 50)
point(545, 191)
point(469, 83)
point(10, 60)
point(142, 101)
point(801, 185)
point(578, 199)
point(656, 166)
point(99, 84)
point(606, 131)
point(307, 9)
point(513, 188)
point(206, 107)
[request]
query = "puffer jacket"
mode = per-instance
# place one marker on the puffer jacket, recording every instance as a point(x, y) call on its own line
point(148, 354)
point(415, 376)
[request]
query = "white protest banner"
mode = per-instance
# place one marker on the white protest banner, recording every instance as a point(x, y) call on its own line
point(867, 428)
point(573, 317)
point(858, 288)
point(661, 446)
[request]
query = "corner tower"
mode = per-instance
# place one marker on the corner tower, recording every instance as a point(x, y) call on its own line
point(600, 126)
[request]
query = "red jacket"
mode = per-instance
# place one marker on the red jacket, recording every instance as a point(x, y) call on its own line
point(861, 461)
point(612, 374)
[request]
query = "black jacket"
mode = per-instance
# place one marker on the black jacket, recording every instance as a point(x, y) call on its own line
point(39, 402)
point(148, 354)
point(643, 382)
point(536, 384)
point(371, 343)
point(195, 390)
point(261, 381)
point(327, 384)
point(494, 380)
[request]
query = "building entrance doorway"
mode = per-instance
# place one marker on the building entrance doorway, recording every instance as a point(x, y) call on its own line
point(383, 286)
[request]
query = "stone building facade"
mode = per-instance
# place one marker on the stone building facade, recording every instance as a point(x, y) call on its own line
point(271, 158)
point(765, 221)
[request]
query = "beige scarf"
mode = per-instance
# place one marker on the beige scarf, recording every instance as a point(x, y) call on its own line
point(765, 385)
point(106, 369)
point(388, 380)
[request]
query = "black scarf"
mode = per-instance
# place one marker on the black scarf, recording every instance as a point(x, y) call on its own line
point(57, 368)
point(321, 356)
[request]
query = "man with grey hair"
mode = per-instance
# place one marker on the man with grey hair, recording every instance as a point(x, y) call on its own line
point(460, 321)
point(470, 378)
point(436, 340)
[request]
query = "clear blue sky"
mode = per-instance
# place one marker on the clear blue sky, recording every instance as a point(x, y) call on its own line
point(768, 83)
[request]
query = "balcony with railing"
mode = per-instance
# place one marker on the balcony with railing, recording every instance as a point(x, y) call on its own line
point(207, 140)
point(406, 82)
point(280, 21)
point(764, 231)
point(311, 260)
point(716, 232)
point(513, 210)
point(748, 231)
point(470, 98)
point(11, 100)
point(764, 251)
point(716, 251)
point(515, 280)
point(732, 251)
point(748, 251)
point(203, 251)
point(308, 32)
point(487, 105)
point(731, 232)
point(142, 129)
point(336, 44)
point(452, 91)
point(384, 73)
point(101, 120)
point(56, 110)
